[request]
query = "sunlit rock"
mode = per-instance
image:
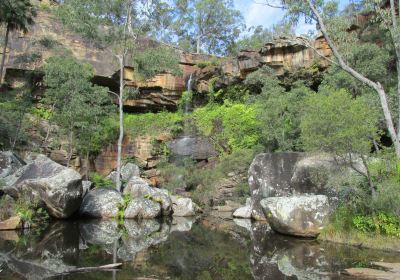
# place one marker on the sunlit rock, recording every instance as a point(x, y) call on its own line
point(142, 208)
point(101, 203)
point(58, 188)
point(302, 216)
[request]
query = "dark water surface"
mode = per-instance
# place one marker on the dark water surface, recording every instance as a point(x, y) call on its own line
point(181, 249)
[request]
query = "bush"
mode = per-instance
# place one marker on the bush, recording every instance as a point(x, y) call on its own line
point(153, 124)
point(100, 181)
point(380, 223)
point(231, 127)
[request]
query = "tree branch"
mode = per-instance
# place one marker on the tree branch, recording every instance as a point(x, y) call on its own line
point(374, 85)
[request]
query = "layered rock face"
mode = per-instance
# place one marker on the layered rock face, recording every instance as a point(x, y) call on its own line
point(48, 37)
point(283, 55)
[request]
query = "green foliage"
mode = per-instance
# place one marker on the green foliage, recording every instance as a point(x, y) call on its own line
point(202, 182)
point(30, 213)
point(47, 42)
point(379, 223)
point(233, 93)
point(126, 198)
point(279, 111)
point(17, 15)
point(28, 58)
point(152, 61)
point(100, 180)
point(14, 126)
point(41, 113)
point(185, 101)
point(260, 36)
point(215, 61)
point(336, 123)
point(78, 107)
point(153, 123)
point(231, 126)
point(206, 25)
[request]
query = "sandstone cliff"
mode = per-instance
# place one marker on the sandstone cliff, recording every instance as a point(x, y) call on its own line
point(48, 37)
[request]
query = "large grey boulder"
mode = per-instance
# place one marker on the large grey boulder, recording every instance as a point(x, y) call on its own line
point(129, 170)
point(142, 208)
point(9, 163)
point(101, 203)
point(183, 207)
point(288, 174)
point(47, 183)
point(197, 148)
point(139, 188)
point(269, 176)
point(303, 216)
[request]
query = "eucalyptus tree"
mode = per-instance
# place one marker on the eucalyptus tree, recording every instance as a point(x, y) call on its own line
point(118, 26)
point(207, 25)
point(16, 15)
point(322, 12)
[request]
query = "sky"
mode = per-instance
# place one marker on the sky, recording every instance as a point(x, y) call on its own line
point(256, 14)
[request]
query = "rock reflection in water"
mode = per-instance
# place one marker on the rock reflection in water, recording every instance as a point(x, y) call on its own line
point(276, 256)
point(63, 245)
point(179, 249)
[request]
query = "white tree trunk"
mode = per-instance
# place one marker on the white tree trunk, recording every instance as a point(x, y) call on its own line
point(121, 121)
point(374, 85)
point(3, 59)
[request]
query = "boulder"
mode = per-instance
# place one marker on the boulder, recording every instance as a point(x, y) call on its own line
point(101, 203)
point(197, 148)
point(129, 170)
point(269, 176)
point(9, 163)
point(303, 216)
point(47, 183)
point(312, 173)
point(86, 187)
point(183, 207)
point(243, 212)
point(142, 208)
point(11, 223)
point(288, 174)
point(139, 188)
point(112, 176)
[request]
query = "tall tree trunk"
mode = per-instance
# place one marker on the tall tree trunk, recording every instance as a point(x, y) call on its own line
point(71, 149)
point(121, 121)
point(3, 59)
point(198, 44)
point(374, 85)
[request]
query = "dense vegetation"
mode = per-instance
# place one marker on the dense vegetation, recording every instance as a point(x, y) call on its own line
point(337, 113)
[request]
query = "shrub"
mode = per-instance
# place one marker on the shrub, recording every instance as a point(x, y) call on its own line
point(153, 124)
point(380, 223)
point(230, 126)
point(47, 42)
point(100, 181)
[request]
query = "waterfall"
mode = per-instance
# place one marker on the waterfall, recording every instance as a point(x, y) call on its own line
point(182, 143)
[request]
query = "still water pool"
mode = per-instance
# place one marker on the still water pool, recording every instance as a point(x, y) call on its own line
point(178, 249)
